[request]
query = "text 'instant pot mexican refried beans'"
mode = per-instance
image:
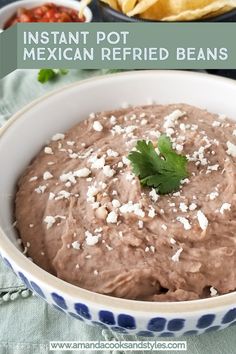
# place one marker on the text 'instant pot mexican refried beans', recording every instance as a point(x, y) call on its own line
point(137, 203)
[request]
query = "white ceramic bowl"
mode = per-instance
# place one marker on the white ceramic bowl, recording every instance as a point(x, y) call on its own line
point(25, 134)
point(8, 11)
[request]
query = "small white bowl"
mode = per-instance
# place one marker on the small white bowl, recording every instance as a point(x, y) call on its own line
point(27, 132)
point(8, 11)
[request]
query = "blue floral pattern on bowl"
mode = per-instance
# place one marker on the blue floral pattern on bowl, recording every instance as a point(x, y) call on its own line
point(125, 323)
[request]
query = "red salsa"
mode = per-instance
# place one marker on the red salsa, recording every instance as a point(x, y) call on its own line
point(45, 13)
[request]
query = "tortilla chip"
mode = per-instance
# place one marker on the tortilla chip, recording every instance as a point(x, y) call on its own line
point(128, 5)
point(219, 12)
point(141, 7)
point(174, 10)
point(219, 6)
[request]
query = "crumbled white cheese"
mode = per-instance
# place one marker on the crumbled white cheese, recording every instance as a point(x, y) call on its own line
point(91, 240)
point(130, 176)
point(175, 257)
point(75, 245)
point(33, 179)
point(179, 147)
point(169, 132)
point(73, 155)
point(58, 136)
point(112, 217)
point(97, 163)
point(231, 149)
point(70, 143)
point(99, 229)
point(185, 181)
point(65, 177)
point(115, 203)
point(225, 206)
point(113, 120)
point(83, 172)
point(213, 167)
point(129, 129)
point(102, 184)
point(185, 222)
point(151, 212)
point(155, 134)
point(48, 150)
point(132, 208)
point(63, 195)
point(140, 224)
point(192, 206)
point(202, 220)
point(172, 241)
point(176, 194)
point(213, 291)
point(120, 164)
point(216, 123)
point(47, 175)
point(51, 196)
point(49, 220)
point(92, 191)
point(183, 207)
point(164, 227)
point(194, 127)
point(95, 205)
point(109, 247)
point(222, 116)
point(125, 161)
point(152, 249)
point(143, 121)
point(108, 171)
point(40, 189)
point(213, 195)
point(112, 153)
point(97, 126)
point(117, 129)
point(60, 217)
point(153, 194)
point(170, 120)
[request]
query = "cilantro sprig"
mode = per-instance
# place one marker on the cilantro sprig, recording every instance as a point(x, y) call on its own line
point(45, 75)
point(163, 171)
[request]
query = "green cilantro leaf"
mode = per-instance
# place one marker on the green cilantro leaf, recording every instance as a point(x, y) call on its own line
point(162, 171)
point(45, 75)
point(63, 71)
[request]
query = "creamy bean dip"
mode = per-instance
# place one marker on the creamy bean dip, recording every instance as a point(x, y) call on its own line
point(83, 215)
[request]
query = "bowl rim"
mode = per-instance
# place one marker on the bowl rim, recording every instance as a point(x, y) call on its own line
point(123, 17)
point(19, 3)
point(69, 291)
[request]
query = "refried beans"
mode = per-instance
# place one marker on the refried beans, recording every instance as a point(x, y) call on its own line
point(83, 215)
